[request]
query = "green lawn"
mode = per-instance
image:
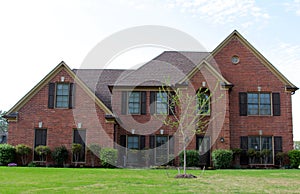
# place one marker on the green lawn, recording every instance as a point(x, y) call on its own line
point(87, 180)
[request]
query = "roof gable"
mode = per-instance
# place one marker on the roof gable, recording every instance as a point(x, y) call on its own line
point(62, 65)
point(264, 61)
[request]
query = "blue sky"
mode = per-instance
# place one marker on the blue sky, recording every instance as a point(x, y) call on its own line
point(36, 35)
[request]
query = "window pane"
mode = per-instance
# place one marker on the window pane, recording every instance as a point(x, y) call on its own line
point(134, 103)
point(203, 103)
point(133, 142)
point(252, 109)
point(161, 103)
point(62, 95)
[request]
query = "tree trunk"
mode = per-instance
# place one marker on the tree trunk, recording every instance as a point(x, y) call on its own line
point(184, 158)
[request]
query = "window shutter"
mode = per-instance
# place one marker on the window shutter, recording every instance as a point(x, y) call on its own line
point(244, 160)
point(71, 95)
point(143, 103)
point(171, 103)
point(124, 103)
point(277, 147)
point(51, 94)
point(152, 102)
point(171, 145)
point(123, 141)
point(243, 103)
point(276, 104)
point(152, 141)
point(278, 144)
point(142, 142)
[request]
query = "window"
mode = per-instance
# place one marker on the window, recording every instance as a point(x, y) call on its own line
point(259, 104)
point(261, 149)
point(161, 103)
point(40, 138)
point(203, 146)
point(61, 95)
point(134, 102)
point(163, 148)
point(259, 144)
point(133, 142)
point(79, 136)
point(203, 103)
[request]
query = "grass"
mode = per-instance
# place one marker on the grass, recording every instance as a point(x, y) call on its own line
point(87, 180)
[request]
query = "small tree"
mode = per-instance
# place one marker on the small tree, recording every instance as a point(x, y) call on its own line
point(3, 122)
point(76, 150)
point(193, 108)
point(23, 151)
point(42, 151)
point(94, 150)
point(60, 155)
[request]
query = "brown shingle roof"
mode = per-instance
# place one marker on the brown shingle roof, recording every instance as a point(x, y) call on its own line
point(169, 67)
point(98, 81)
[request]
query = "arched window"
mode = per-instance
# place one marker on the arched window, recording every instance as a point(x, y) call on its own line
point(203, 101)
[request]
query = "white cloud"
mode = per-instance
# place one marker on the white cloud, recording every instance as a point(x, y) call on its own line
point(219, 11)
point(293, 6)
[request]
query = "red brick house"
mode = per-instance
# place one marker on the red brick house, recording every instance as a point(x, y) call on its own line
point(119, 108)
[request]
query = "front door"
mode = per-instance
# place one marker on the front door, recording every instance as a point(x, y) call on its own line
point(203, 146)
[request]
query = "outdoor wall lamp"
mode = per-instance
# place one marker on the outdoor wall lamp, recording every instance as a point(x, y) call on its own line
point(132, 131)
point(62, 79)
point(40, 124)
point(222, 139)
point(79, 125)
point(161, 131)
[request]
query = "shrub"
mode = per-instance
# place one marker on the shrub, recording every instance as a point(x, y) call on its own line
point(76, 149)
point(7, 154)
point(94, 149)
point(60, 155)
point(222, 158)
point(280, 157)
point(192, 158)
point(294, 156)
point(42, 152)
point(23, 151)
point(108, 157)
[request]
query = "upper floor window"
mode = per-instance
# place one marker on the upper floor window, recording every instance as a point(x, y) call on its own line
point(203, 103)
point(61, 95)
point(162, 103)
point(259, 103)
point(133, 102)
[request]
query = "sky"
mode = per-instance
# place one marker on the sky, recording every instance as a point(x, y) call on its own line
point(37, 35)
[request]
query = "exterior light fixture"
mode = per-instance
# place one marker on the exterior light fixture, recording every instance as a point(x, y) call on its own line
point(79, 125)
point(203, 84)
point(161, 131)
point(222, 139)
point(258, 88)
point(132, 131)
point(62, 79)
point(40, 124)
